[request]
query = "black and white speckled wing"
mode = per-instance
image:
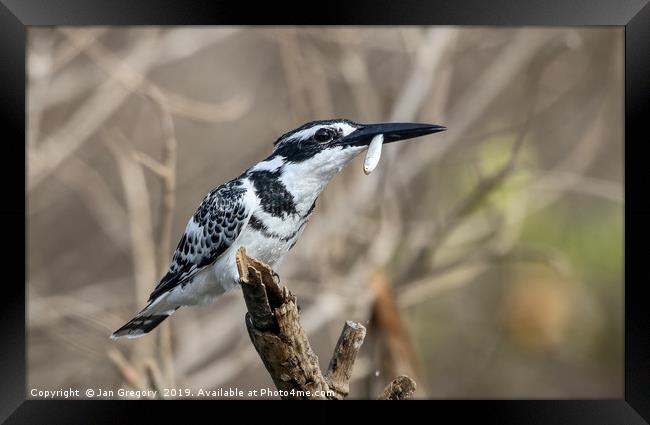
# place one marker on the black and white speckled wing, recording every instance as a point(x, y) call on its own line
point(213, 228)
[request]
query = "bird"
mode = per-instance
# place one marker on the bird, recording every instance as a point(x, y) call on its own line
point(265, 210)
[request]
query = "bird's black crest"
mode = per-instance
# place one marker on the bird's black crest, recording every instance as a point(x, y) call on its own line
point(312, 124)
point(301, 150)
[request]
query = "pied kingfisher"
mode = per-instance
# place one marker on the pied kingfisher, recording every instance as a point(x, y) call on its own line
point(264, 210)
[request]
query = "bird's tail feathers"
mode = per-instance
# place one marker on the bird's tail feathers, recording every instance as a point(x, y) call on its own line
point(146, 320)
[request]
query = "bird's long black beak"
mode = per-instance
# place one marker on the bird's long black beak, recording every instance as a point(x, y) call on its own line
point(392, 132)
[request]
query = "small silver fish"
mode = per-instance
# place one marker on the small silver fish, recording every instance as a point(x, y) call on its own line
point(373, 154)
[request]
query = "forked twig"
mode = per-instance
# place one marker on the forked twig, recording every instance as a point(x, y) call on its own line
point(274, 328)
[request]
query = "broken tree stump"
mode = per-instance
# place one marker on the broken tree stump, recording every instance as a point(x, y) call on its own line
point(273, 324)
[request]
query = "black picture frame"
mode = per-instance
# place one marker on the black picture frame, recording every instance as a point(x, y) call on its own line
point(634, 15)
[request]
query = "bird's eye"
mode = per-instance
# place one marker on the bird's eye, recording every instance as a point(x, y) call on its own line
point(323, 135)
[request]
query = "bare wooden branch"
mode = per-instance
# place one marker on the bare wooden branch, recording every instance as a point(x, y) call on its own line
point(275, 331)
point(401, 388)
point(285, 351)
point(255, 295)
point(339, 371)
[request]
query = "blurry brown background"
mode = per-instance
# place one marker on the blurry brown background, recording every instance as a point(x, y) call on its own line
point(485, 261)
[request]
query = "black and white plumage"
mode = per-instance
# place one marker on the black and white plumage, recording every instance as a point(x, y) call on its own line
point(265, 210)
